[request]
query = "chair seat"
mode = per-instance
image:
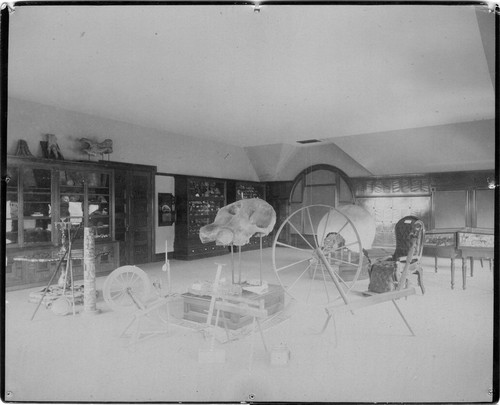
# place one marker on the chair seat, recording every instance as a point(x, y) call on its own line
point(404, 260)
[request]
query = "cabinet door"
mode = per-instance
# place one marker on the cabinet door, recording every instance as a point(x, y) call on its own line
point(140, 218)
point(36, 205)
point(134, 215)
point(72, 201)
point(98, 204)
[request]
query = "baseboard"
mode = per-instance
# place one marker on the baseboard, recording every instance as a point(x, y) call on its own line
point(159, 257)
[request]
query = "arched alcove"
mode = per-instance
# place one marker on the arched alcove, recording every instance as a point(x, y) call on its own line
point(321, 184)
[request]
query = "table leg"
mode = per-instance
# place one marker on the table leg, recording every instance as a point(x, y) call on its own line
point(435, 264)
point(491, 263)
point(452, 273)
point(471, 266)
point(464, 272)
point(481, 260)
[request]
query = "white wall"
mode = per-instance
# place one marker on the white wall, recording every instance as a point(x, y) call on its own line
point(171, 153)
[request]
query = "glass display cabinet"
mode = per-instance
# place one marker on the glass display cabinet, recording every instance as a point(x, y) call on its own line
point(198, 200)
point(84, 200)
point(249, 190)
point(43, 193)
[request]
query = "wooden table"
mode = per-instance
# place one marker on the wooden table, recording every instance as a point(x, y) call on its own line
point(467, 244)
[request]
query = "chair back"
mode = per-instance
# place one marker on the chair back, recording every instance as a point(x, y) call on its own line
point(407, 228)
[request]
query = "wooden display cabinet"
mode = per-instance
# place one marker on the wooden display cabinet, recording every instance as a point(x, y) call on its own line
point(134, 211)
point(198, 199)
point(239, 190)
point(40, 194)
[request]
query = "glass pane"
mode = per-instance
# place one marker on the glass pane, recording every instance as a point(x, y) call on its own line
point(297, 193)
point(36, 179)
point(485, 208)
point(319, 195)
point(206, 188)
point(99, 204)
point(449, 209)
point(245, 190)
point(320, 177)
point(12, 208)
point(37, 210)
point(345, 192)
point(72, 196)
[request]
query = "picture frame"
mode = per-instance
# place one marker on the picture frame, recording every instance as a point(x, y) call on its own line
point(166, 209)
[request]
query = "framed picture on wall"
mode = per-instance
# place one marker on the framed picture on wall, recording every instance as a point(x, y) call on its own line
point(166, 209)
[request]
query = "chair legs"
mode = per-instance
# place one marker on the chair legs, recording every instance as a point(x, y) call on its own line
point(420, 277)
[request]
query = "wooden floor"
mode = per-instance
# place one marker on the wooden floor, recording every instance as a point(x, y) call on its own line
point(368, 356)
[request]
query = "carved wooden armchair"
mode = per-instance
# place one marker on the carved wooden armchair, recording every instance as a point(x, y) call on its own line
point(410, 231)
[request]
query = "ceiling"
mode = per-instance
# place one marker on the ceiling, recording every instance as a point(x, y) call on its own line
point(373, 80)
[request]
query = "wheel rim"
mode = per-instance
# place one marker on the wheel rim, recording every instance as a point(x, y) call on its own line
point(308, 259)
point(124, 285)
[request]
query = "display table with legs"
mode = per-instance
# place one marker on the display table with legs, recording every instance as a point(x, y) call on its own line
point(467, 244)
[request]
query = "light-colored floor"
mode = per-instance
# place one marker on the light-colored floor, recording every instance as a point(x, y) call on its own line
point(372, 358)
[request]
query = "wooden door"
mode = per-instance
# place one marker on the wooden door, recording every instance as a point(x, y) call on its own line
point(134, 215)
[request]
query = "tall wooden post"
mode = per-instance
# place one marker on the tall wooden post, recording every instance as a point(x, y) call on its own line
point(89, 284)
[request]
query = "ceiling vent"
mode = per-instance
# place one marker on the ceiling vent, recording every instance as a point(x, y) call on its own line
point(308, 141)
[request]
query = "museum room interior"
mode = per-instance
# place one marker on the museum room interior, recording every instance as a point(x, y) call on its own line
point(249, 202)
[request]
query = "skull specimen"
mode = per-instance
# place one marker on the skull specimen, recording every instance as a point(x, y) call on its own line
point(237, 222)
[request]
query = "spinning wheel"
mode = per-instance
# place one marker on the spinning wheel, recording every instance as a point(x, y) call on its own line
point(317, 255)
point(126, 287)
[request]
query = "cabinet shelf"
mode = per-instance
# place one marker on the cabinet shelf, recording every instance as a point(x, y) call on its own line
point(198, 201)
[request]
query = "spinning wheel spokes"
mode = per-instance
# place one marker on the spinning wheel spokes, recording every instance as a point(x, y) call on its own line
point(317, 254)
point(126, 287)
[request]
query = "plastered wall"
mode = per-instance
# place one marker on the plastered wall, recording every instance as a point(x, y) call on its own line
point(171, 153)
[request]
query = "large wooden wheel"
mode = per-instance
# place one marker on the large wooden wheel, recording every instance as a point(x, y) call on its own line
point(126, 287)
point(317, 255)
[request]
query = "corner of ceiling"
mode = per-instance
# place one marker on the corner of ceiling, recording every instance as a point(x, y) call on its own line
point(282, 162)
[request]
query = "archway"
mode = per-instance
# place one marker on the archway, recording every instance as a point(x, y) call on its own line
point(318, 184)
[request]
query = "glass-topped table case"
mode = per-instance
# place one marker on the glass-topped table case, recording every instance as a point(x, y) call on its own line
point(467, 244)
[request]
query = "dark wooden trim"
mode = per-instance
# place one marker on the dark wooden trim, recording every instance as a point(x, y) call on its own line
point(160, 257)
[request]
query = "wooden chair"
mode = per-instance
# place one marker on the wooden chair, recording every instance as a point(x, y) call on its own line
point(410, 231)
